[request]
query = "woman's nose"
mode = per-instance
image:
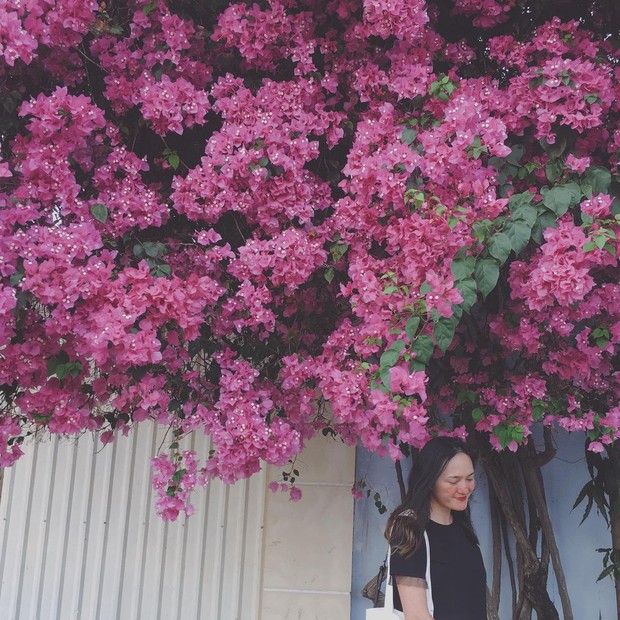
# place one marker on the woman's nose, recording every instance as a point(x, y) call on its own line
point(466, 487)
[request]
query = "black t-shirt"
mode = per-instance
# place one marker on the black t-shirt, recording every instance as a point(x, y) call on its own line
point(458, 578)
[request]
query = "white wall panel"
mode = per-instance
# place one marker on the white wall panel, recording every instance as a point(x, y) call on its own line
point(80, 538)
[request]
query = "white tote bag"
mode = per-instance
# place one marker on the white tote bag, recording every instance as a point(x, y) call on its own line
point(388, 612)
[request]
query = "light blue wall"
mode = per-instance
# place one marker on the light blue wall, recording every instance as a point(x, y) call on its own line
point(564, 478)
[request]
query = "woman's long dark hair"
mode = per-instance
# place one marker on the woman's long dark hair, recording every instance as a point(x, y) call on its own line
point(407, 523)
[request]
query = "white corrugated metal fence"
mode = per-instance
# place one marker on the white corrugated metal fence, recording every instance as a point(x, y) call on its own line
point(80, 538)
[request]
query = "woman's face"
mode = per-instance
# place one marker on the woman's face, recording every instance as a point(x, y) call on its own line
point(454, 486)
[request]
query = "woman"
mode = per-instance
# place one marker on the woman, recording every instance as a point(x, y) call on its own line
point(440, 484)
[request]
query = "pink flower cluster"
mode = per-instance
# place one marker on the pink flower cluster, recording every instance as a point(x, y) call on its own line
point(244, 424)
point(404, 19)
point(165, 74)
point(487, 13)
point(559, 82)
point(268, 220)
point(263, 38)
point(27, 24)
point(561, 273)
point(174, 480)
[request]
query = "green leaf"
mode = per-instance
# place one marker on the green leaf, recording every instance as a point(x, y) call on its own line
point(486, 273)
point(469, 292)
point(174, 160)
point(518, 150)
point(518, 200)
point(60, 366)
point(504, 434)
point(467, 396)
point(17, 277)
point(598, 178)
point(75, 368)
point(423, 348)
point(329, 274)
point(398, 345)
point(386, 377)
point(538, 410)
point(425, 288)
point(338, 250)
point(157, 70)
point(500, 247)
point(601, 337)
point(519, 233)
point(463, 268)
point(159, 270)
point(544, 221)
point(388, 358)
point(536, 81)
point(164, 270)
point(586, 189)
point(555, 149)
point(412, 327)
point(553, 170)
point(409, 135)
point(444, 331)
point(517, 433)
point(477, 415)
point(614, 191)
point(606, 573)
point(585, 492)
point(523, 209)
point(55, 361)
point(561, 197)
point(481, 230)
point(154, 249)
point(99, 212)
point(178, 475)
point(148, 8)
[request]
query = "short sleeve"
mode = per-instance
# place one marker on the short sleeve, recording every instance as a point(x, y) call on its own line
point(415, 582)
point(410, 566)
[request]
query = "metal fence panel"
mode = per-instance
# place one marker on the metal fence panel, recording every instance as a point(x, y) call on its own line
point(80, 538)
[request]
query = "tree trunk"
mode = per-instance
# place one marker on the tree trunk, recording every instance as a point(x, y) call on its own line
point(401, 480)
point(612, 483)
point(534, 484)
point(534, 580)
point(494, 593)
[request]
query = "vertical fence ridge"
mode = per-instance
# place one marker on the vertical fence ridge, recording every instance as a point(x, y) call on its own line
point(28, 515)
point(67, 529)
point(127, 521)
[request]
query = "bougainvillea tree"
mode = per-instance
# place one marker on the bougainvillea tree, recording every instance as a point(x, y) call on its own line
point(380, 219)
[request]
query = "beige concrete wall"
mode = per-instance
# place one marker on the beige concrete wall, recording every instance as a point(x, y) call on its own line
point(308, 545)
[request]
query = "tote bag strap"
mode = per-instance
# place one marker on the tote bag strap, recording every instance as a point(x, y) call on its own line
point(389, 588)
point(389, 610)
point(429, 591)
